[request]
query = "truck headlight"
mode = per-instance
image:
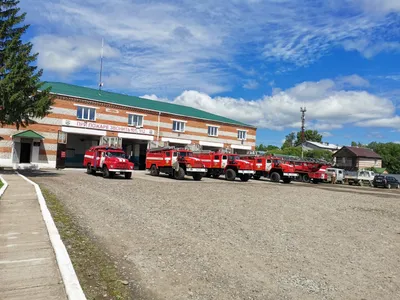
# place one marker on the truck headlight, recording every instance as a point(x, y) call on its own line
point(112, 166)
point(189, 165)
point(131, 167)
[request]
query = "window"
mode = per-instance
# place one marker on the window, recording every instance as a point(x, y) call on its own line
point(135, 120)
point(212, 131)
point(216, 157)
point(167, 154)
point(86, 113)
point(242, 134)
point(178, 126)
point(224, 157)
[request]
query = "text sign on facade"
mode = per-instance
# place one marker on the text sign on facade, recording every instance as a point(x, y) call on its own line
point(108, 127)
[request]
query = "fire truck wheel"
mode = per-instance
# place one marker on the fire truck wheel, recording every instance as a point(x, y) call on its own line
point(197, 176)
point(275, 177)
point(128, 175)
point(230, 175)
point(180, 174)
point(306, 178)
point(245, 177)
point(154, 171)
point(106, 173)
point(89, 169)
point(256, 177)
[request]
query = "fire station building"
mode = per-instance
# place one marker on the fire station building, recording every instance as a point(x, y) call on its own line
point(83, 117)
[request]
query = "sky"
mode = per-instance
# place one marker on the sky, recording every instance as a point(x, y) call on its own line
point(256, 61)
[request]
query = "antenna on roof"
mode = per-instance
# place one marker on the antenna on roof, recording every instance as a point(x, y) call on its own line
point(101, 64)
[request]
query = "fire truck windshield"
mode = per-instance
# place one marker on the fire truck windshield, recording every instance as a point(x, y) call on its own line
point(185, 154)
point(233, 157)
point(116, 154)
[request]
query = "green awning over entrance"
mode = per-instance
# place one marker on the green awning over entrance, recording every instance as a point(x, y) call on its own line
point(29, 134)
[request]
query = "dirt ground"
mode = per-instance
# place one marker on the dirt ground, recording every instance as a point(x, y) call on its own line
point(233, 240)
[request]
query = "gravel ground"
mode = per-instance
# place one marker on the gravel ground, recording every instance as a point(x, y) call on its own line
point(231, 240)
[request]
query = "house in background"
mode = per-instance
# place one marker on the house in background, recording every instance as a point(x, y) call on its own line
point(308, 145)
point(356, 158)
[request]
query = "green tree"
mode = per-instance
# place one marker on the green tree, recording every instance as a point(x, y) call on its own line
point(289, 140)
point(390, 153)
point(309, 135)
point(20, 98)
point(357, 144)
point(319, 154)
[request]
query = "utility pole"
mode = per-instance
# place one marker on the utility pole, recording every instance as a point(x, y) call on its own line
point(303, 121)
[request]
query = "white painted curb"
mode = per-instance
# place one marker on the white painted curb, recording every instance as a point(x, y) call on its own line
point(4, 187)
point(71, 282)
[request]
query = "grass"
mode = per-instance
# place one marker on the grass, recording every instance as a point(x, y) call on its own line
point(96, 272)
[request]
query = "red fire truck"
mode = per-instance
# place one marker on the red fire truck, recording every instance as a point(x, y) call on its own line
point(271, 167)
point(176, 162)
point(308, 171)
point(230, 165)
point(108, 160)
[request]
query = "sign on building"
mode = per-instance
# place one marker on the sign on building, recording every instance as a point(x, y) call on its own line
point(112, 141)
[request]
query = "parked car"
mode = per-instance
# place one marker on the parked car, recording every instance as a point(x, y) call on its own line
point(386, 181)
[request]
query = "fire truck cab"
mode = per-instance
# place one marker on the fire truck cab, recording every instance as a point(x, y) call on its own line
point(227, 164)
point(271, 167)
point(107, 160)
point(176, 162)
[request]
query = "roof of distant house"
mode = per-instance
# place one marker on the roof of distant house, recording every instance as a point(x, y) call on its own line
point(325, 145)
point(133, 101)
point(361, 152)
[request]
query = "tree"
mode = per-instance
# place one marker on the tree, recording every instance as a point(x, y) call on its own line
point(390, 153)
point(309, 135)
point(355, 144)
point(289, 140)
point(319, 154)
point(20, 98)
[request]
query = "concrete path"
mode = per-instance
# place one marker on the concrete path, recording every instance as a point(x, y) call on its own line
point(28, 267)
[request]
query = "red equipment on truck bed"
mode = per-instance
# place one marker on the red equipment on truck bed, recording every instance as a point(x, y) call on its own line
point(271, 167)
point(108, 160)
point(227, 164)
point(176, 162)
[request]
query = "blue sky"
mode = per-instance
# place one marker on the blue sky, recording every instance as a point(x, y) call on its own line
point(252, 60)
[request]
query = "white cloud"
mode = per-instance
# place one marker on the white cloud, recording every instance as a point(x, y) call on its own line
point(328, 109)
point(154, 97)
point(168, 47)
point(390, 122)
point(380, 6)
point(69, 54)
point(326, 134)
point(250, 84)
point(353, 81)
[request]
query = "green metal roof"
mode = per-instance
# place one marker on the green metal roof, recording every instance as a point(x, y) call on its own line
point(30, 134)
point(132, 101)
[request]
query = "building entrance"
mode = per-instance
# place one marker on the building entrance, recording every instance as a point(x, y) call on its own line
point(25, 154)
point(136, 150)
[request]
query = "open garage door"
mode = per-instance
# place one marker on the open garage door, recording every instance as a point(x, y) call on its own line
point(77, 144)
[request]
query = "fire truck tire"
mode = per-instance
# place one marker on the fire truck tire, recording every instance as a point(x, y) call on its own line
point(154, 171)
point(106, 173)
point(128, 175)
point(306, 178)
point(230, 175)
point(89, 170)
point(197, 176)
point(245, 177)
point(256, 177)
point(180, 174)
point(275, 177)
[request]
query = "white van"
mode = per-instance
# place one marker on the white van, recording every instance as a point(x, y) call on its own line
point(339, 174)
